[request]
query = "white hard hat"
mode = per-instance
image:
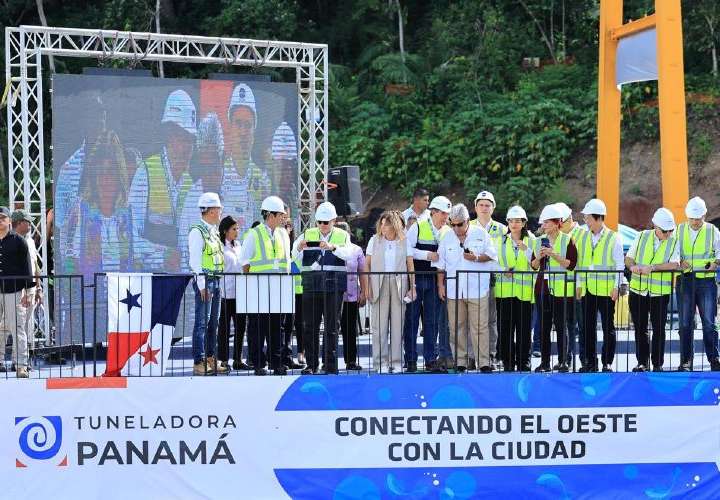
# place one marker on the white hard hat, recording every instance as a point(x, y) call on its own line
point(485, 195)
point(273, 204)
point(516, 212)
point(242, 95)
point(209, 200)
point(595, 207)
point(550, 212)
point(325, 212)
point(566, 210)
point(664, 219)
point(284, 146)
point(696, 208)
point(441, 203)
point(180, 110)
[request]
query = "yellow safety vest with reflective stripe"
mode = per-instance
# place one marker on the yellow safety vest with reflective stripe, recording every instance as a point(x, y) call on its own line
point(697, 252)
point(599, 258)
point(657, 283)
point(269, 254)
point(160, 208)
point(559, 281)
point(520, 284)
point(297, 278)
point(496, 229)
point(329, 262)
point(213, 259)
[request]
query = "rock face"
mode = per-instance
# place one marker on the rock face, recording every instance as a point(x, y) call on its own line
point(636, 211)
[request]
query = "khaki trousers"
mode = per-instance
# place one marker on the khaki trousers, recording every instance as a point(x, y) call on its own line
point(469, 334)
point(386, 321)
point(12, 322)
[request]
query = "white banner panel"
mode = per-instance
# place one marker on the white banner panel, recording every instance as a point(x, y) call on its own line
point(264, 293)
point(637, 58)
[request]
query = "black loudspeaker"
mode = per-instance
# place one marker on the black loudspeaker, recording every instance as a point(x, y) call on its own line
point(344, 190)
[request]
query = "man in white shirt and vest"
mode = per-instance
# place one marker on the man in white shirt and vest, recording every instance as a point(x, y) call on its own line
point(206, 261)
point(266, 250)
point(699, 243)
point(322, 251)
point(653, 251)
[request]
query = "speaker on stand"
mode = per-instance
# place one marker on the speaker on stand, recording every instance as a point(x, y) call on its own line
point(344, 190)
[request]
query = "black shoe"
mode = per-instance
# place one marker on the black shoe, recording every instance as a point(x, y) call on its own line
point(640, 368)
point(280, 371)
point(292, 365)
point(684, 367)
point(460, 369)
point(240, 365)
point(353, 366)
point(715, 365)
point(330, 371)
point(260, 372)
point(472, 365)
point(542, 369)
point(561, 368)
point(3, 368)
point(411, 367)
point(606, 369)
point(657, 368)
point(485, 369)
point(525, 368)
point(307, 371)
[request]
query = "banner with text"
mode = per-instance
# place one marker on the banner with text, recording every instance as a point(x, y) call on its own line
point(426, 436)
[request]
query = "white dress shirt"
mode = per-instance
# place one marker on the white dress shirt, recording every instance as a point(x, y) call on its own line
point(391, 248)
point(410, 212)
point(196, 243)
point(231, 265)
point(467, 285)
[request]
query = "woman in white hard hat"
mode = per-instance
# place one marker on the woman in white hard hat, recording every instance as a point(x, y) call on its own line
point(514, 292)
point(387, 253)
point(652, 251)
point(323, 251)
point(699, 243)
point(554, 254)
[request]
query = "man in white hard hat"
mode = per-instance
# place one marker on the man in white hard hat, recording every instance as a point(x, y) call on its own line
point(207, 263)
point(418, 210)
point(484, 208)
point(699, 243)
point(245, 185)
point(423, 240)
point(599, 276)
point(160, 186)
point(323, 251)
point(266, 249)
point(653, 251)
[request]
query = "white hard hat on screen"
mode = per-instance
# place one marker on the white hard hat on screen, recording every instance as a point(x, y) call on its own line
point(209, 200)
point(595, 207)
point(284, 145)
point(516, 212)
point(242, 95)
point(550, 212)
point(566, 210)
point(325, 212)
point(441, 203)
point(696, 208)
point(180, 110)
point(664, 219)
point(273, 204)
point(485, 195)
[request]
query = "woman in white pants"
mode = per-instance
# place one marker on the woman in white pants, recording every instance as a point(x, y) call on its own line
point(386, 253)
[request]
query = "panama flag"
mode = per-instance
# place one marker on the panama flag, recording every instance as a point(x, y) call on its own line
point(142, 313)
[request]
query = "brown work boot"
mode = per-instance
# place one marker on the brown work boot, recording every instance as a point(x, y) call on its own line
point(217, 367)
point(202, 368)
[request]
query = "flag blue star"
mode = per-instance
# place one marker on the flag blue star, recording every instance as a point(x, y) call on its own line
point(131, 300)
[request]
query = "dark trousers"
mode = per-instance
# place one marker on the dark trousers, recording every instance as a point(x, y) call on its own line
point(592, 304)
point(265, 329)
point(554, 311)
point(290, 322)
point(640, 306)
point(227, 312)
point(319, 306)
point(428, 305)
point(514, 324)
point(349, 328)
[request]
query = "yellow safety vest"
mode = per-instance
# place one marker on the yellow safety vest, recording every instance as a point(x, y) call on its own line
point(519, 285)
point(269, 256)
point(697, 252)
point(559, 279)
point(657, 283)
point(213, 259)
point(496, 228)
point(599, 258)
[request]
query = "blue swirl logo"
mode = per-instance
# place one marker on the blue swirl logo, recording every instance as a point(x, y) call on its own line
point(41, 437)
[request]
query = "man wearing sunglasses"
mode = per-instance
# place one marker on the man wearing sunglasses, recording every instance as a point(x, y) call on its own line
point(323, 251)
point(652, 252)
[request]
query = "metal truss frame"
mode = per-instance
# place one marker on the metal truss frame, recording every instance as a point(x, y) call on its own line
point(25, 46)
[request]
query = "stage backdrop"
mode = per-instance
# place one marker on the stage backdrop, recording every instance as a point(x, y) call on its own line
point(131, 156)
point(356, 437)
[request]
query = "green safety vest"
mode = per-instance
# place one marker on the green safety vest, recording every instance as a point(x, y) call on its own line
point(559, 279)
point(269, 256)
point(297, 278)
point(338, 237)
point(658, 283)
point(496, 230)
point(698, 252)
point(519, 285)
point(213, 259)
point(599, 258)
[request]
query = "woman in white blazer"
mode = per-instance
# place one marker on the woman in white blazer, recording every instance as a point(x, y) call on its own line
point(387, 253)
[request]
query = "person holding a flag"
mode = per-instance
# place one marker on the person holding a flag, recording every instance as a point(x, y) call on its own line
point(206, 262)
